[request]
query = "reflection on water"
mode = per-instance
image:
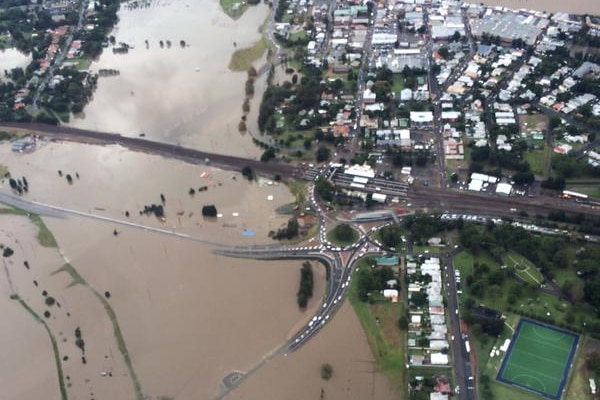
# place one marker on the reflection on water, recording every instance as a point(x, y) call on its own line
point(184, 95)
point(12, 58)
point(576, 7)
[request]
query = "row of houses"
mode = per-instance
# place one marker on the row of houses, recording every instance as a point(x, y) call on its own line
point(427, 338)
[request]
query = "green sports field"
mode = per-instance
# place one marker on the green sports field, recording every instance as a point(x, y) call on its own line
point(539, 358)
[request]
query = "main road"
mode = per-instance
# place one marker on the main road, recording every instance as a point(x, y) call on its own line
point(435, 199)
point(148, 146)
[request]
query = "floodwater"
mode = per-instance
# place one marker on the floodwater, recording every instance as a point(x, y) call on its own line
point(343, 344)
point(574, 7)
point(13, 58)
point(23, 342)
point(188, 317)
point(182, 95)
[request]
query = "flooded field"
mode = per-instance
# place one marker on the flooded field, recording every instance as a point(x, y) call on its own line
point(180, 93)
point(186, 316)
point(574, 7)
point(111, 181)
point(343, 344)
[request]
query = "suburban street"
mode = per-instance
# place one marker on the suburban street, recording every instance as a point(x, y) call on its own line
point(59, 58)
point(461, 359)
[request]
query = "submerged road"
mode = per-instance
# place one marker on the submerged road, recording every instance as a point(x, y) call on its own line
point(50, 210)
point(148, 146)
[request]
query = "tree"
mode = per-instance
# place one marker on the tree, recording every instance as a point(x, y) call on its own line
point(592, 292)
point(403, 323)
point(444, 53)
point(419, 299)
point(390, 235)
point(248, 173)
point(554, 183)
point(344, 232)
point(523, 178)
point(593, 362)
point(372, 279)
point(289, 232)
point(7, 252)
point(305, 290)
point(326, 371)
point(554, 122)
point(268, 154)
point(324, 189)
point(209, 211)
point(323, 154)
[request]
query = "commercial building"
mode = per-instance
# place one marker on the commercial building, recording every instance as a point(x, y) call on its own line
point(421, 119)
point(509, 26)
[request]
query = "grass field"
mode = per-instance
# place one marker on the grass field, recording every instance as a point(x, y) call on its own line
point(537, 160)
point(242, 59)
point(539, 359)
point(464, 261)
point(233, 8)
point(523, 268)
point(398, 83)
point(385, 339)
point(333, 237)
point(533, 122)
point(427, 249)
point(591, 190)
point(81, 64)
point(489, 365)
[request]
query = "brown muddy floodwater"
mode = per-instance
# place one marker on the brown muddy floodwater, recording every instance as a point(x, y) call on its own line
point(182, 95)
point(297, 376)
point(188, 317)
point(552, 6)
